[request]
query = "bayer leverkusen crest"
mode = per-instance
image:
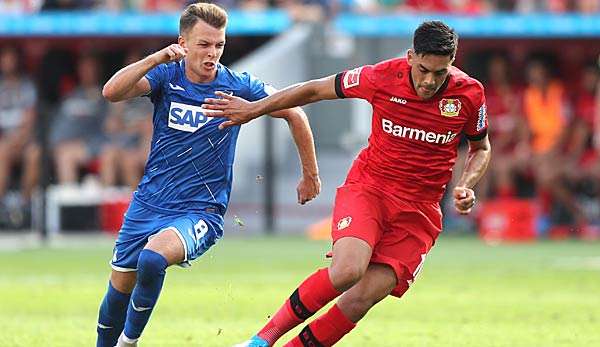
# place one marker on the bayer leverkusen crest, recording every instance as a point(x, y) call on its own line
point(450, 107)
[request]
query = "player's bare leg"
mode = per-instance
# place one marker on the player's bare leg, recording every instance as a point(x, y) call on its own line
point(123, 281)
point(351, 258)
point(163, 250)
point(377, 283)
point(349, 263)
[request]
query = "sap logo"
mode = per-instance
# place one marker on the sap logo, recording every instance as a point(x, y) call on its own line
point(398, 100)
point(187, 117)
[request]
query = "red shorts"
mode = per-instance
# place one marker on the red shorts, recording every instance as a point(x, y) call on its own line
point(400, 232)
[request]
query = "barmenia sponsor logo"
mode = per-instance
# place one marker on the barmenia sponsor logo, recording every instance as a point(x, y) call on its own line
point(416, 134)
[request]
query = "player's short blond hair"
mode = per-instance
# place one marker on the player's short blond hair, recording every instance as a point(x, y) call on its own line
point(211, 14)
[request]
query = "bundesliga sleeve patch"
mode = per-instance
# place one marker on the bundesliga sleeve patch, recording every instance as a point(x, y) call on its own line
point(482, 118)
point(352, 78)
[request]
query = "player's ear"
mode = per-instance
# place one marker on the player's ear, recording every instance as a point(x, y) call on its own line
point(410, 56)
point(181, 41)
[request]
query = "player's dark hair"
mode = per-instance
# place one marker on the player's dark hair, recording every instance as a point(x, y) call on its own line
point(435, 37)
point(211, 14)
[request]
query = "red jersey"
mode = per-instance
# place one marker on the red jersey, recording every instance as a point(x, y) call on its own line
point(413, 143)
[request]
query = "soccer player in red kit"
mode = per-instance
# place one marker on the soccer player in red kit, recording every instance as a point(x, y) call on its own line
point(387, 213)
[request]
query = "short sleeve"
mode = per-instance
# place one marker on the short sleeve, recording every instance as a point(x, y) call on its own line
point(257, 89)
point(477, 122)
point(156, 77)
point(356, 83)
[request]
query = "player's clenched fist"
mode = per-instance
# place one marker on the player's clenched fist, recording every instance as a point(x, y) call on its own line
point(170, 53)
point(308, 188)
point(464, 199)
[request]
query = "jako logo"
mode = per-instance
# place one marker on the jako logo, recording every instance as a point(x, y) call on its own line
point(417, 134)
point(187, 117)
point(398, 100)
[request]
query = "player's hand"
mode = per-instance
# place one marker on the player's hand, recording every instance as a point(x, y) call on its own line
point(464, 199)
point(237, 110)
point(308, 188)
point(173, 52)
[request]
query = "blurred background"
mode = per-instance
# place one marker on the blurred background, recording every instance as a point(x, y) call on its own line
point(69, 160)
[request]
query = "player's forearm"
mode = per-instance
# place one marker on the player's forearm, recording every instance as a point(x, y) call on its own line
point(475, 167)
point(122, 82)
point(303, 138)
point(298, 95)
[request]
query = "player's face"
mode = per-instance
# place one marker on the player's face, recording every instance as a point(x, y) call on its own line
point(205, 47)
point(428, 72)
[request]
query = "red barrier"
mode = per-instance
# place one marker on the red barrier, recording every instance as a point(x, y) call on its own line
point(111, 215)
point(512, 220)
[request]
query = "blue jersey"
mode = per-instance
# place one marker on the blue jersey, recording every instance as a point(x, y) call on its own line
point(190, 166)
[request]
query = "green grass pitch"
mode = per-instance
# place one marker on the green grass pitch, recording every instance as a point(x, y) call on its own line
point(469, 294)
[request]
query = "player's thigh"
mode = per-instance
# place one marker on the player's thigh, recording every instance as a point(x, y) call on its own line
point(377, 283)
point(168, 244)
point(187, 238)
point(351, 256)
point(356, 229)
point(123, 281)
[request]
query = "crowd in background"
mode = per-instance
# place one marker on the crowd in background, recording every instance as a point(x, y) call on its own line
point(86, 134)
point(546, 139)
point(545, 134)
point(316, 9)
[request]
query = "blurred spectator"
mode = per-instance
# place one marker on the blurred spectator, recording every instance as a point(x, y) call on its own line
point(583, 156)
point(68, 4)
point(439, 6)
point(546, 110)
point(17, 123)
point(587, 6)
point(508, 133)
point(164, 5)
point(129, 132)
point(19, 6)
point(305, 10)
point(253, 5)
point(76, 134)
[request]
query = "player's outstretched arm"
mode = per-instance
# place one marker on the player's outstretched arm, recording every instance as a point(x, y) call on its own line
point(130, 82)
point(239, 111)
point(477, 161)
point(310, 183)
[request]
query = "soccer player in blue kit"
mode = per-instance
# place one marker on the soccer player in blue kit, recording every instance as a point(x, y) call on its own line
point(177, 211)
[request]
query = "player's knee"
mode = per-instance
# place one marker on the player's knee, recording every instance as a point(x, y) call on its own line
point(151, 265)
point(345, 276)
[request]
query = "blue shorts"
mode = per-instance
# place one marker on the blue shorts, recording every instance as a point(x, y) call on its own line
point(198, 231)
